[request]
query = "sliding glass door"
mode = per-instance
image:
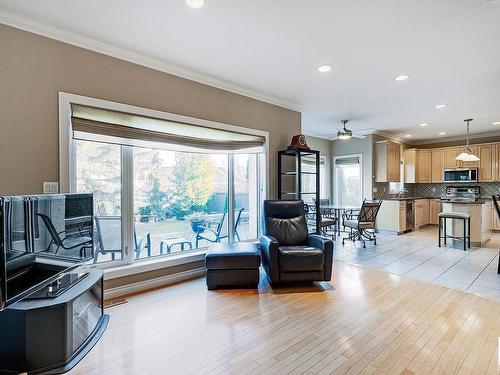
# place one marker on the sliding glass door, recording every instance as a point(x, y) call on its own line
point(348, 183)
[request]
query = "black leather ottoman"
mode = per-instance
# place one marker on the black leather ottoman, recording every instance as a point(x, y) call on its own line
point(233, 265)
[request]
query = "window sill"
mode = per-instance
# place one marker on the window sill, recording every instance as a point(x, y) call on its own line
point(153, 264)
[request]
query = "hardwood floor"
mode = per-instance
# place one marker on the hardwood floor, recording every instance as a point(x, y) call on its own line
point(364, 322)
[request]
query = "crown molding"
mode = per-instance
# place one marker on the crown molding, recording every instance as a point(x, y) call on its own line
point(391, 137)
point(27, 24)
point(457, 138)
point(315, 135)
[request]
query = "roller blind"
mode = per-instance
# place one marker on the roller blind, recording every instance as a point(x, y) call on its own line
point(135, 130)
point(347, 161)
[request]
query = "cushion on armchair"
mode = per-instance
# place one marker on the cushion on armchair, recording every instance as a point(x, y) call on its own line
point(290, 231)
point(301, 259)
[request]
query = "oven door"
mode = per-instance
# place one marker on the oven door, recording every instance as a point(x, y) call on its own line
point(460, 175)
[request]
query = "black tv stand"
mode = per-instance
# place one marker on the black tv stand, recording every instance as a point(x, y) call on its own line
point(51, 335)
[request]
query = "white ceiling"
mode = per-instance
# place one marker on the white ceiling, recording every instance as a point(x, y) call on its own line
point(450, 49)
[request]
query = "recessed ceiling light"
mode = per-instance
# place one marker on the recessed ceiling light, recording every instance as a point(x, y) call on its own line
point(408, 135)
point(195, 3)
point(496, 123)
point(402, 77)
point(424, 124)
point(324, 68)
point(441, 106)
point(442, 133)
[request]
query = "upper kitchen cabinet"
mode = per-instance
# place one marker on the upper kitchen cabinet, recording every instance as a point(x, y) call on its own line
point(449, 157)
point(471, 164)
point(409, 162)
point(387, 161)
point(451, 153)
point(487, 162)
point(417, 165)
point(437, 169)
point(424, 166)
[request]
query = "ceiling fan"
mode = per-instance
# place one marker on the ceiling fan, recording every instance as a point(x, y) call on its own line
point(345, 133)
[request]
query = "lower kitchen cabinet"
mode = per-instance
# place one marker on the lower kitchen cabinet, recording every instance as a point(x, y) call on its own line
point(392, 216)
point(422, 212)
point(435, 209)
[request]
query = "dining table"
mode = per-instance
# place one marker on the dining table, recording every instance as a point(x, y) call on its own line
point(338, 210)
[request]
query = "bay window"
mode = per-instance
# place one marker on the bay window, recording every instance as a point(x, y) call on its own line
point(163, 187)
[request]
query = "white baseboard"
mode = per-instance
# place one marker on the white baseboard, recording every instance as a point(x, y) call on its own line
point(154, 283)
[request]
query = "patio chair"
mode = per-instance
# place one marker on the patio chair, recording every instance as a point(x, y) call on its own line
point(363, 227)
point(208, 234)
point(109, 238)
point(70, 242)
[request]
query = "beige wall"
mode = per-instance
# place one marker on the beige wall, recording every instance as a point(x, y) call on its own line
point(34, 68)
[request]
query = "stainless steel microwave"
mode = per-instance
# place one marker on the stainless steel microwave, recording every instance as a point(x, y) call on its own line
point(460, 175)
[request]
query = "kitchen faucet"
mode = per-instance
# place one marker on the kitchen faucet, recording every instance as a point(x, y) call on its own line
point(402, 192)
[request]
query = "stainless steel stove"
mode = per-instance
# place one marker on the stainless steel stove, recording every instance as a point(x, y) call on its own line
point(462, 193)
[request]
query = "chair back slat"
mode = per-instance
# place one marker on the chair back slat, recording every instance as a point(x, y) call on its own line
point(496, 198)
point(368, 212)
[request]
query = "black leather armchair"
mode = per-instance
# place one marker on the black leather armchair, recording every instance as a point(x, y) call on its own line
point(289, 253)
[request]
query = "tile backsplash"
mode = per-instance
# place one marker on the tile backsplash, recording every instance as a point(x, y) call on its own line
point(434, 190)
point(437, 190)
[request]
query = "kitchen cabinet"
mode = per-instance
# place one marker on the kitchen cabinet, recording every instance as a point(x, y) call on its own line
point(434, 210)
point(409, 162)
point(497, 167)
point(449, 157)
point(422, 212)
point(392, 216)
point(387, 161)
point(417, 165)
point(470, 164)
point(487, 163)
point(437, 168)
point(423, 166)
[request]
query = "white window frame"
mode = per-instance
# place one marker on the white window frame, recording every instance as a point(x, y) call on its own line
point(335, 175)
point(67, 173)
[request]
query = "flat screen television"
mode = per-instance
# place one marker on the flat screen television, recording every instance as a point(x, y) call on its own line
point(41, 238)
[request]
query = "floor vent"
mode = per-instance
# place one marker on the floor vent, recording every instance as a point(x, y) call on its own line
point(114, 302)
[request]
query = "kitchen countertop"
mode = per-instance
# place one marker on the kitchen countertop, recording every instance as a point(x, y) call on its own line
point(405, 198)
point(480, 201)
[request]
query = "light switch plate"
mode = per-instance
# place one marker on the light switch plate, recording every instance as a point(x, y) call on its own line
point(50, 187)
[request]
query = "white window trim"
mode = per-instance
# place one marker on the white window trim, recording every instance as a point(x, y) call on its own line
point(334, 173)
point(67, 170)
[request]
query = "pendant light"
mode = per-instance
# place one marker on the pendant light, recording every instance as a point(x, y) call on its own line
point(467, 154)
point(344, 133)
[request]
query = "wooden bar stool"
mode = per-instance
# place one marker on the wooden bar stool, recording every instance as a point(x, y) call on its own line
point(454, 216)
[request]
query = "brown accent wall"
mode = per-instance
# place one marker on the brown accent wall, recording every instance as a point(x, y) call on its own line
point(33, 69)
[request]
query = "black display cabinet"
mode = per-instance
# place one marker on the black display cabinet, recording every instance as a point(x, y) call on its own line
point(298, 178)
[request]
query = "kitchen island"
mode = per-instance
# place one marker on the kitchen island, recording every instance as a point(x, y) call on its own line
point(479, 227)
